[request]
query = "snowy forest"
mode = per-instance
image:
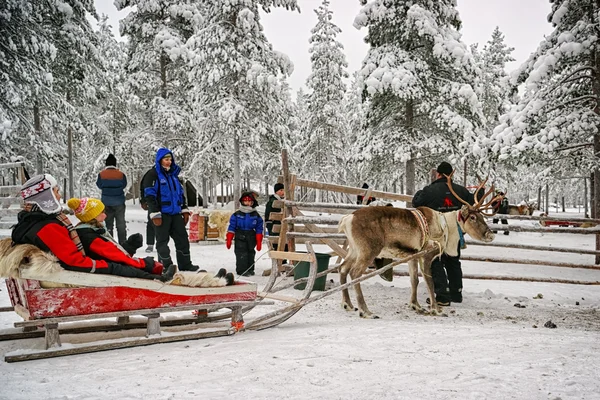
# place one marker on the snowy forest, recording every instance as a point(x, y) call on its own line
point(202, 78)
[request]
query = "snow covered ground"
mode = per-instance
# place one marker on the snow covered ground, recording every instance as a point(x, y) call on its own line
point(483, 348)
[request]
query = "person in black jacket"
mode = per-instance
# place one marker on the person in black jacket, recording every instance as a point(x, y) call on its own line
point(501, 207)
point(437, 196)
point(360, 198)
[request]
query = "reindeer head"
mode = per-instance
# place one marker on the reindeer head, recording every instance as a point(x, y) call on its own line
point(470, 217)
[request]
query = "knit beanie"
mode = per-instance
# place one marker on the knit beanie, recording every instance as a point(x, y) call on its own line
point(38, 191)
point(444, 168)
point(277, 187)
point(111, 160)
point(86, 209)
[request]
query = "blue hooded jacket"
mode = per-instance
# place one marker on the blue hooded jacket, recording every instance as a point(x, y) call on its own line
point(165, 188)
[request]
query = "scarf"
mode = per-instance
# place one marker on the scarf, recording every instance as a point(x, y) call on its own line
point(62, 218)
point(247, 209)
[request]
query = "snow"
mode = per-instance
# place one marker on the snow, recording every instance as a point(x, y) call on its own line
point(485, 347)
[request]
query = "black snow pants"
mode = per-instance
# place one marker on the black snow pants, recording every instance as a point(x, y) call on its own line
point(245, 242)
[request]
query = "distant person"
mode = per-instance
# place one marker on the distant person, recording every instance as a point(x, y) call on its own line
point(168, 210)
point(500, 207)
point(112, 182)
point(247, 227)
point(437, 196)
point(269, 208)
point(360, 198)
point(42, 224)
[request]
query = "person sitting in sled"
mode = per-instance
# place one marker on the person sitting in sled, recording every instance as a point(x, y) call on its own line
point(247, 226)
point(41, 223)
point(98, 243)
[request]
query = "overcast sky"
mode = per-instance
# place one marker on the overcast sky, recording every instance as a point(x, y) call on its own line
point(523, 23)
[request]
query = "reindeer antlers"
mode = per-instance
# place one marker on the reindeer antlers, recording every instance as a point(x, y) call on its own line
point(478, 201)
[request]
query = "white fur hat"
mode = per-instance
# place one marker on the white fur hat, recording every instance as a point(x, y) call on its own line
point(38, 190)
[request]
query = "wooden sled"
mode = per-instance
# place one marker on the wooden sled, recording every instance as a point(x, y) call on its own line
point(50, 312)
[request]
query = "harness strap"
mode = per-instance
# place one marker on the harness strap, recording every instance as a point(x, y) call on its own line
point(423, 225)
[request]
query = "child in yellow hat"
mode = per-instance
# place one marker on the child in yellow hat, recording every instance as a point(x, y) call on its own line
point(97, 242)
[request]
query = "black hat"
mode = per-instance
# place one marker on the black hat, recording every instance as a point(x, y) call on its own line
point(111, 160)
point(444, 168)
point(365, 186)
point(277, 187)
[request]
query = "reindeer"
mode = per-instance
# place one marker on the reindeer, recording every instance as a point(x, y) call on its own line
point(521, 209)
point(376, 232)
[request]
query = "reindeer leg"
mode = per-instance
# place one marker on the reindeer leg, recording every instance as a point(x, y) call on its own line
point(346, 302)
point(426, 269)
point(360, 299)
point(413, 266)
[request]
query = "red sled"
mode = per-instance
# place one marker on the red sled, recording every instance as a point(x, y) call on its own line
point(97, 294)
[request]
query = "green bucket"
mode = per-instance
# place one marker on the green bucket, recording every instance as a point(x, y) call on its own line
point(303, 268)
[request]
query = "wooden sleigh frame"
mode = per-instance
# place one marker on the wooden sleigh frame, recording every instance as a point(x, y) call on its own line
point(55, 311)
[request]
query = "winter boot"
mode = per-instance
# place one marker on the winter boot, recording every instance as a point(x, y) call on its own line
point(221, 274)
point(167, 275)
point(190, 267)
point(441, 301)
point(456, 297)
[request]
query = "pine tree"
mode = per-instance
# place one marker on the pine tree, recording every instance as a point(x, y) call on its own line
point(25, 56)
point(554, 126)
point(418, 76)
point(237, 92)
point(323, 150)
point(495, 97)
point(158, 71)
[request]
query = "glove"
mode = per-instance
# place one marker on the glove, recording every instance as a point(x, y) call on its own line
point(186, 217)
point(259, 238)
point(158, 268)
point(149, 261)
point(229, 238)
point(156, 218)
point(144, 205)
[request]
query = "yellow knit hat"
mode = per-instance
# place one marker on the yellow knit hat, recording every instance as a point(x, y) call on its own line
point(86, 209)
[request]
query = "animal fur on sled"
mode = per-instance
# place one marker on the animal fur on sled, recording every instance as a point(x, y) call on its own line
point(31, 257)
point(220, 220)
point(201, 279)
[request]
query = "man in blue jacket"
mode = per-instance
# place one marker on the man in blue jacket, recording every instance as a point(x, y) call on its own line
point(112, 182)
point(163, 194)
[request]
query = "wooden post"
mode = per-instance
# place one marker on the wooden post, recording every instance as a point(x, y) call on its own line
point(465, 172)
point(287, 211)
point(153, 325)
point(547, 201)
point(585, 198)
point(52, 336)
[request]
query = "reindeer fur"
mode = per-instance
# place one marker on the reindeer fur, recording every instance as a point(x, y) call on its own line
point(25, 256)
point(220, 220)
point(377, 232)
point(201, 279)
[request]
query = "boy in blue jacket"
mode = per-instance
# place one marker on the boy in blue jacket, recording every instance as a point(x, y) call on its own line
point(246, 225)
